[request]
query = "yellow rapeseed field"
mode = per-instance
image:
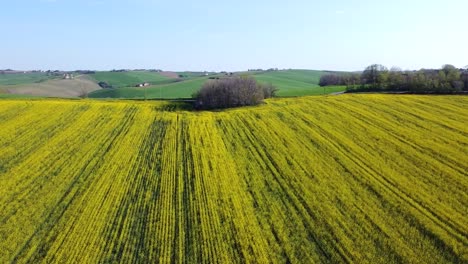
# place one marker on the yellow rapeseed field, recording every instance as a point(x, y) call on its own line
point(334, 179)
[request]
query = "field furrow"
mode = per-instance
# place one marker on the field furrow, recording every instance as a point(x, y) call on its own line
point(341, 179)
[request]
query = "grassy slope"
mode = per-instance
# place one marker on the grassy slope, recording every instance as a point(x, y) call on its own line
point(295, 82)
point(53, 88)
point(189, 74)
point(289, 83)
point(130, 79)
point(20, 78)
point(335, 179)
point(183, 89)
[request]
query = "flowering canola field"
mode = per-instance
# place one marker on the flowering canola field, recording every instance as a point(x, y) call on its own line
point(352, 178)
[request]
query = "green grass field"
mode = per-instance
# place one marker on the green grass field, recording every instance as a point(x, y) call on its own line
point(23, 78)
point(320, 179)
point(190, 74)
point(131, 78)
point(289, 83)
point(182, 89)
point(293, 82)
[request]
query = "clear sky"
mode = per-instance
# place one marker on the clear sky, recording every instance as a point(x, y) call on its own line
point(232, 35)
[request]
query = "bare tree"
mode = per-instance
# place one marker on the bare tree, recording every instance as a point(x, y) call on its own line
point(232, 92)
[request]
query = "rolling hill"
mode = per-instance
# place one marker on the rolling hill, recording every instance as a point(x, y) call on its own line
point(130, 78)
point(79, 86)
point(173, 90)
point(163, 85)
point(296, 82)
point(289, 82)
point(24, 78)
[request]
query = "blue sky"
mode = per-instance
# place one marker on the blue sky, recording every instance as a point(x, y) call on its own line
point(232, 35)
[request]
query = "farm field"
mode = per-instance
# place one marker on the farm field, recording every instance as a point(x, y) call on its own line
point(289, 83)
point(130, 78)
point(24, 78)
point(296, 82)
point(182, 89)
point(331, 179)
point(58, 87)
point(18, 96)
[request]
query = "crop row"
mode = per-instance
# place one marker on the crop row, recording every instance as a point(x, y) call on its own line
point(354, 178)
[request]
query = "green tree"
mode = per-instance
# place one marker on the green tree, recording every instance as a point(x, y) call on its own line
point(442, 76)
point(396, 79)
point(375, 75)
point(420, 82)
point(454, 82)
point(453, 74)
point(464, 79)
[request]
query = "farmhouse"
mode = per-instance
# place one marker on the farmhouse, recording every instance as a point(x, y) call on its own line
point(145, 84)
point(68, 76)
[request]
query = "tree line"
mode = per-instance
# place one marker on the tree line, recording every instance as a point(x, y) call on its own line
point(377, 77)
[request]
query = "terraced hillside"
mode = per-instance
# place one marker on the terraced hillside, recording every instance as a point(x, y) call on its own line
point(352, 178)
